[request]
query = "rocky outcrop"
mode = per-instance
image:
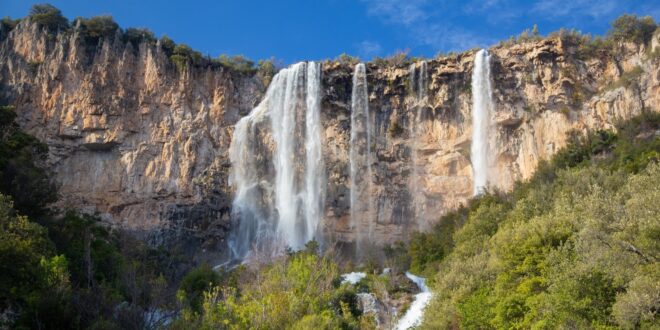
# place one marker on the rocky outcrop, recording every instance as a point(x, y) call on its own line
point(132, 138)
point(144, 144)
point(543, 91)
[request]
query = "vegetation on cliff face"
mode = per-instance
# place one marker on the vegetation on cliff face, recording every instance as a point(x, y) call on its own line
point(575, 247)
point(70, 271)
point(94, 30)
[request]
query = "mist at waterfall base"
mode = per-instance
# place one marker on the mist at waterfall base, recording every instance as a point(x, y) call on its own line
point(280, 187)
point(279, 193)
point(481, 108)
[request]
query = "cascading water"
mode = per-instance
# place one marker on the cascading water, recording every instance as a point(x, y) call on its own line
point(418, 83)
point(482, 104)
point(360, 155)
point(315, 174)
point(415, 313)
point(279, 203)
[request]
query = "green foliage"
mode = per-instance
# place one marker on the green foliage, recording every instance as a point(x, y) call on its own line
point(92, 250)
point(8, 23)
point(34, 66)
point(22, 246)
point(195, 283)
point(574, 247)
point(394, 129)
point(68, 272)
point(399, 59)
point(427, 250)
point(526, 35)
point(137, 36)
point(627, 79)
point(348, 60)
point(21, 175)
point(48, 16)
point(293, 293)
point(96, 28)
point(632, 28)
point(167, 45)
point(396, 257)
point(34, 282)
point(237, 63)
point(266, 70)
point(182, 55)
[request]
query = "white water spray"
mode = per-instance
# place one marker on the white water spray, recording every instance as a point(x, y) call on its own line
point(482, 105)
point(360, 154)
point(279, 203)
point(315, 173)
point(413, 316)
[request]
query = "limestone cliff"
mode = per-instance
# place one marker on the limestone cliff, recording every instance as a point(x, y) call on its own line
point(132, 138)
point(144, 144)
point(542, 90)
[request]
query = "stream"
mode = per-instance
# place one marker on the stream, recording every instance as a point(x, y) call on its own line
point(413, 316)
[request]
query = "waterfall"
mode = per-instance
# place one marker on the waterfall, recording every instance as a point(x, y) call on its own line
point(279, 203)
point(413, 316)
point(418, 87)
point(315, 174)
point(360, 155)
point(482, 104)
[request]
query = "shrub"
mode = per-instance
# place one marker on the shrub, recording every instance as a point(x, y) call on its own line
point(346, 59)
point(574, 247)
point(48, 16)
point(95, 28)
point(627, 79)
point(266, 70)
point(137, 36)
point(34, 66)
point(195, 283)
point(237, 63)
point(593, 47)
point(167, 45)
point(182, 55)
point(21, 173)
point(9, 24)
point(398, 59)
point(632, 28)
point(92, 249)
point(394, 128)
point(33, 280)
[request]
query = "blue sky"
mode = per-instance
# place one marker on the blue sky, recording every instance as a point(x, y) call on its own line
point(295, 30)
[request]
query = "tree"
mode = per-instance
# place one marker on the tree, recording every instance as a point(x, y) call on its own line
point(98, 27)
point(48, 16)
point(137, 36)
point(21, 173)
point(195, 283)
point(167, 45)
point(632, 28)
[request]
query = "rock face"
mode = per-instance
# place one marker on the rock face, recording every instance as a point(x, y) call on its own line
point(145, 145)
point(131, 138)
point(542, 91)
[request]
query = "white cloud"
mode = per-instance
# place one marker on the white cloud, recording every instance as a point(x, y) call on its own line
point(398, 11)
point(575, 8)
point(420, 18)
point(368, 49)
point(447, 37)
point(439, 24)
